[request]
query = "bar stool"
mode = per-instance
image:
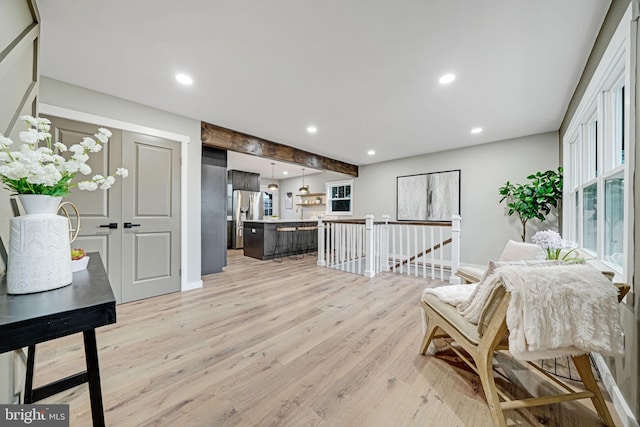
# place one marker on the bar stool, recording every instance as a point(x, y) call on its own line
point(308, 239)
point(285, 243)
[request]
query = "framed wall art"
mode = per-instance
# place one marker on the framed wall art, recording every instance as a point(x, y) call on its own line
point(428, 197)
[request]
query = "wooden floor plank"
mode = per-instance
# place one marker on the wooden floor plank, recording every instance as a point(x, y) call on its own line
point(284, 344)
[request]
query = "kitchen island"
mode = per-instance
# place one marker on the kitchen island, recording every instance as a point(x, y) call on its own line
point(260, 237)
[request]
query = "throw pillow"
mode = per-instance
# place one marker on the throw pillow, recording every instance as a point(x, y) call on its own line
point(519, 251)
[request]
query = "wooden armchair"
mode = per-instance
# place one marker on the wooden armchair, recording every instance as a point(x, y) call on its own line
point(480, 341)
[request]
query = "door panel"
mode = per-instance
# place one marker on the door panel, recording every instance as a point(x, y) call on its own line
point(153, 176)
point(158, 265)
point(144, 260)
point(97, 207)
point(151, 201)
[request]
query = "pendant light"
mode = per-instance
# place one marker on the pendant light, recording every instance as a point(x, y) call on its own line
point(273, 186)
point(305, 188)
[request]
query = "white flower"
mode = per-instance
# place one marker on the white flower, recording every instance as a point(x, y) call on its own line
point(29, 136)
point(4, 141)
point(105, 132)
point(122, 172)
point(72, 166)
point(549, 239)
point(84, 169)
point(87, 186)
point(108, 182)
point(88, 143)
point(42, 170)
point(81, 157)
point(76, 148)
point(31, 121)
point(102, 137)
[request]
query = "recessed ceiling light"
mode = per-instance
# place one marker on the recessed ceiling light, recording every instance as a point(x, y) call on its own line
point(476, 130)
point(184, 79)
point(371, 152)
point(446, 79)
point(285, 173)
point(312, 129)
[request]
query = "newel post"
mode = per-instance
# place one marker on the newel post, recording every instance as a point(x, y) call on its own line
point(369, 265)
point(455, 248)
point(321, 261)
point(384, 252)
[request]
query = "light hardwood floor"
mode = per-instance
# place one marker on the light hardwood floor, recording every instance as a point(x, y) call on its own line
point(290, 344)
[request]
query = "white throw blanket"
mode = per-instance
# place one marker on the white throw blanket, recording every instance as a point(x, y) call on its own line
point(554, 311)
point(558, 311)
point(451, 294)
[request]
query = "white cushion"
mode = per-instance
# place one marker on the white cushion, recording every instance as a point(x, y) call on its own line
point(521, 251)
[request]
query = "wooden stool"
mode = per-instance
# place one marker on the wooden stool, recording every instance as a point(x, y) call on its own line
point(285, 243)
point(308, 239)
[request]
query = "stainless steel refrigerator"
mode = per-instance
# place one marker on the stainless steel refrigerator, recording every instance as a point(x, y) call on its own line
point(246, 206)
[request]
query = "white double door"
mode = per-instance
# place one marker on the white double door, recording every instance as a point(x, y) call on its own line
point(135, 226)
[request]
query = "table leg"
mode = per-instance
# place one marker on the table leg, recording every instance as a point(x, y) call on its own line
point(93, 371)
point(28, 381)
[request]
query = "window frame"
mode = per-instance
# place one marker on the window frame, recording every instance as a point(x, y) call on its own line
point(607, 95)
point(329, 206)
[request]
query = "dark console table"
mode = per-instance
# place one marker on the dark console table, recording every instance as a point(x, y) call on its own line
point(26, 320)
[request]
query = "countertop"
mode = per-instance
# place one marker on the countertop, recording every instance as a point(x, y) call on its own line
point(280, 220)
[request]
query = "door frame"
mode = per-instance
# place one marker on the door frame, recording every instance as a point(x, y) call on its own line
point(184, 140)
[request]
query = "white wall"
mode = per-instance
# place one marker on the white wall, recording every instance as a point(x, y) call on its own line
point(316, 183)
point(484, 168)
point(60, 94)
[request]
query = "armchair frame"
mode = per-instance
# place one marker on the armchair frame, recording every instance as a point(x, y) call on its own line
point(441, 322)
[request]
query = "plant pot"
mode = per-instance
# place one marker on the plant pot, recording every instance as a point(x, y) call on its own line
point(38, 247)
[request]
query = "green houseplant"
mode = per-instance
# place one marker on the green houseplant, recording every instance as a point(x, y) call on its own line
point(533, 199)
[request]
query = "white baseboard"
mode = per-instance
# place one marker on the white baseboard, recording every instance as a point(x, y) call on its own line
point(621, 406)
point(192, 285)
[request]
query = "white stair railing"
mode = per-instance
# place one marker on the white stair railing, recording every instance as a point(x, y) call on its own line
point(367, 247)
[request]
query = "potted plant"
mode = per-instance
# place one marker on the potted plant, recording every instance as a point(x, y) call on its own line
point(534, 199)
point(79, 259)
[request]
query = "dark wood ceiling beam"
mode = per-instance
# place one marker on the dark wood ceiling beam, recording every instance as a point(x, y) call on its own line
point(219, 137)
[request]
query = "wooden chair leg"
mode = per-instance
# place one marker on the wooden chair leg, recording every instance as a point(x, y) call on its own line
point(428, 337)
point(583, 366)
point(485, 370)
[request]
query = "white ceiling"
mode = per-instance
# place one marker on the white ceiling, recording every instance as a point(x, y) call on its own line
point(363, 71)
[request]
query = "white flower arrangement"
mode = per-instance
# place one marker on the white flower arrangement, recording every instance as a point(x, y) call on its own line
point(553, 244)
point(44, 170)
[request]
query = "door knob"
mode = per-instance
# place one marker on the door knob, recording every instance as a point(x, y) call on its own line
point(110, 225)
point(129, 225)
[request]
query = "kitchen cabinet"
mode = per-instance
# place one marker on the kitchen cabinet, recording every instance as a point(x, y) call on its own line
point(245, 181)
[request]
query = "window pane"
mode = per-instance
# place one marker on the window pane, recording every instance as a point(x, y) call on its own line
point(614, 219)
point(576, 216)
point(592, 150)
point(619, 126)
point(341, 205)
point(589, 218)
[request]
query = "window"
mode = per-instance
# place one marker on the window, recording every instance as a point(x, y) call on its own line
point(614, 219)
point(597, 198)
point(267, 206)
point(339, 201)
